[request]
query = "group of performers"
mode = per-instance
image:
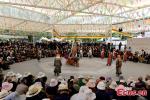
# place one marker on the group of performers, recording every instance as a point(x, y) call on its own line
point(77, 52)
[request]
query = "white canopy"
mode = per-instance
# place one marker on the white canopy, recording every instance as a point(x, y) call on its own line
point(81, 16)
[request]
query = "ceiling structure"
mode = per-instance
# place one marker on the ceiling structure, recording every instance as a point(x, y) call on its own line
point(80, 16)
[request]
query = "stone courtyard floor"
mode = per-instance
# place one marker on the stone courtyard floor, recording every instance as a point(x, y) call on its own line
point(88, 66)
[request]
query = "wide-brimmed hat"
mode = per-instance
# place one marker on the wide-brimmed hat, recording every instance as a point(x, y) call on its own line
point(11, 73)
point(7, 86)
point(91, 83)
point(84, 94)
point(90, 95)
point(26, 74)
point(41, 75)
point(101, 85)
point(60, 78)
point(64, 82)
point(63, 87)
point(34, 90)
point(18, 76)
point(83, 89)
point(53, 82)
point(21, 89)
point(3, 94)
point(113, 85)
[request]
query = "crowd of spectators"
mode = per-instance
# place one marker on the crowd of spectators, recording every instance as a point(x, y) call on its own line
point(15, 86)
point(140, 56)
point(18, 51)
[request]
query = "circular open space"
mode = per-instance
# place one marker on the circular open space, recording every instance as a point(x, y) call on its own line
point(88, 66)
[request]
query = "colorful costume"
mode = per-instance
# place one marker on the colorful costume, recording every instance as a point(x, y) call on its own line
point(102, 54)
point(125, 56)
point(118, 66)
point(109, 60)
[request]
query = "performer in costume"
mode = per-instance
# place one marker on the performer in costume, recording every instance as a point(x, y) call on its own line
point(73, 59)
point(114, 54)
point(109, 60)
point(102, 53)
point(118, 65)
point(125, 56)
point(57, 64)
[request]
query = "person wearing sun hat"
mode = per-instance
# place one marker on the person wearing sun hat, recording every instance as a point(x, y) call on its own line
point(60, 79)
point(19, 94)
point(84, 94)
point(3, 94)
point(91, 84)
point(51, 90)
point(101, 93)
point(111, 90)
point(9, 76)
point(101, 78)
point(28, 78)
point(41, 77)
point(35, 92)
point(6, 90)
point(7, 86)
point(63, 92)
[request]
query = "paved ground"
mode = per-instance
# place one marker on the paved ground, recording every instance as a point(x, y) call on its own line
point(93, 66)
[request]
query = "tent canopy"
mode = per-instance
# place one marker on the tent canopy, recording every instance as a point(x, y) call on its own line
point(81, 16)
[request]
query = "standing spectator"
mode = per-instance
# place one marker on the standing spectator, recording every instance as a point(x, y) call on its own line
point(120, 44)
